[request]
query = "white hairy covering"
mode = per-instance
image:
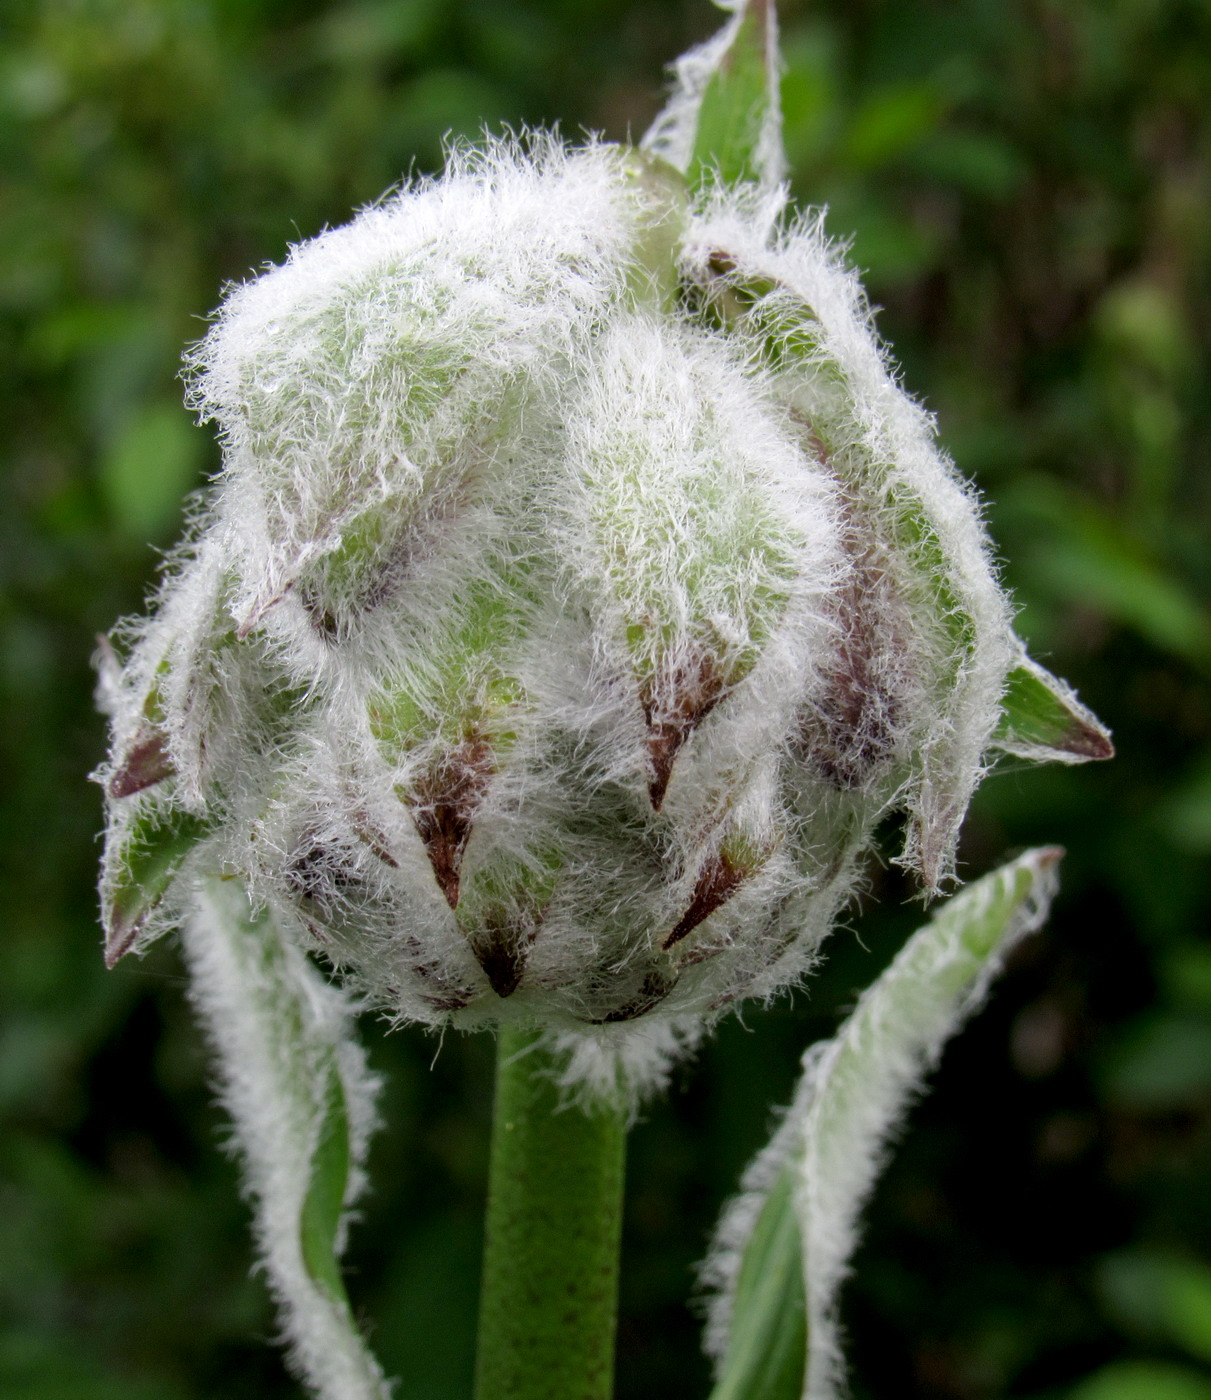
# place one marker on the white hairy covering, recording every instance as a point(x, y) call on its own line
point(279, 1031)
point(855, 1091)
point(547, 651)
point(950, 620)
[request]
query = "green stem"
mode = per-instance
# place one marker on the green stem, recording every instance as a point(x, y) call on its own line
point(549, 1299)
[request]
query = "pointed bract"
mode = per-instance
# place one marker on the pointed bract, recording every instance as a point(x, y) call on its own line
point(1042, 719)
point(723, 119)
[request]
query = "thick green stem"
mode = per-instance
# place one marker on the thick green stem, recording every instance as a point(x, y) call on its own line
point(549, 1299)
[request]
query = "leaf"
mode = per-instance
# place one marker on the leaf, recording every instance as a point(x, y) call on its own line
point(828, 1152)
point(1081, 554)
point(140, 871)
point(768, 1338)
point(1143, 1380)
point(302, 1102)
point(1043, 720)
point(1161, 1296)
point(324, 1203)
point(1158, 1062)
point(724, 116)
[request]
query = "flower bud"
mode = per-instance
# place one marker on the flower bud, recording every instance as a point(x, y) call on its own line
point(578, 593)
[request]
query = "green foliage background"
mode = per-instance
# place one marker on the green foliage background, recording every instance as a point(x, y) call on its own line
point(1027, 188)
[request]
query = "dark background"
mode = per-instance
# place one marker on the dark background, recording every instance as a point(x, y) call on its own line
point(1026, 186)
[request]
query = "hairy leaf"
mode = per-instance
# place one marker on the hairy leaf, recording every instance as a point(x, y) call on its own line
point(830, 1148)
point(724, 116)
point(1043, 720)
point(302, 1102)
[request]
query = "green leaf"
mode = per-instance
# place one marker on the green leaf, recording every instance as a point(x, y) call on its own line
point(152, 850)
point(724, 117)
point(1080, 553)
point(767, 1350)
point(1041, 719)
point(739, 102)
point(151, 464)
point(890, 121)
point(825, 1158)
point(301, 1100)
point(324, 1203)
point(1161, 1296)
point(1143, 1380)
point(1159, 1062)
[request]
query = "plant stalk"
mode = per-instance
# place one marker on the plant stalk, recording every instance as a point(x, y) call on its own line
point(549, 1296)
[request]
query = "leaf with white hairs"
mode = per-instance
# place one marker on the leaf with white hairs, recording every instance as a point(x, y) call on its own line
point(723, 118)
point(1042, 719)
point(302, 1104)
point(803, 1194)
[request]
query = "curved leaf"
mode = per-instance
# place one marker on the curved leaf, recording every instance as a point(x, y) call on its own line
point(827, 1154)
point(302, 1104)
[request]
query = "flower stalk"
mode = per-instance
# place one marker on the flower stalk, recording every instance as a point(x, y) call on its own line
point(549, 1299)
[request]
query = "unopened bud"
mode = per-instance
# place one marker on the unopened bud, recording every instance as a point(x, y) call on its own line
point(579, 592)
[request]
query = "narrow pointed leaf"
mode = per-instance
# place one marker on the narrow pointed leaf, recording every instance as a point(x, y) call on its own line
point(302, 1104)
point(141, 871)
point(830, 1148)
point(724, 116)
point(1044, 721)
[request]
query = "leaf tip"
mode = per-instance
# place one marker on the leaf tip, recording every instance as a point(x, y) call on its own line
point(120, 937)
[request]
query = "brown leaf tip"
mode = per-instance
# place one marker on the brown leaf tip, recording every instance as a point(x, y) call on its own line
point(144, 764)
point(674, 705)
point(443, 807)
point(718, 880)
point(120, 938)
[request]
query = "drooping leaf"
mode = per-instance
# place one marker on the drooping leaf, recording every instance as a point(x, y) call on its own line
point(1044, 721)
point(302, 1102)
point(724, 116)
point(828, 1152)
point(324, 1203)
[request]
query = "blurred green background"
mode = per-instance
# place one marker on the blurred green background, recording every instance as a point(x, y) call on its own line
point(1026, 187)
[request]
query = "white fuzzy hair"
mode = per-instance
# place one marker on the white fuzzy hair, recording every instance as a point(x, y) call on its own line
point(549, 647)
point(281, 1040)
point(855, 1091)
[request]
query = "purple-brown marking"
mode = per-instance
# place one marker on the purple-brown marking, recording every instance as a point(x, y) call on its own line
point(373, 839)
point(501, 948)
point(653, 990)
point(444, 805)
point(144, 764)
point(446, 996)
point(719, 879)
point(674, 705)
point(502, 944)
point(849, 733)
point(317, 870)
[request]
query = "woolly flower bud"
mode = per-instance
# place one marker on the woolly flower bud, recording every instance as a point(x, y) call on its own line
point(578, 593)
